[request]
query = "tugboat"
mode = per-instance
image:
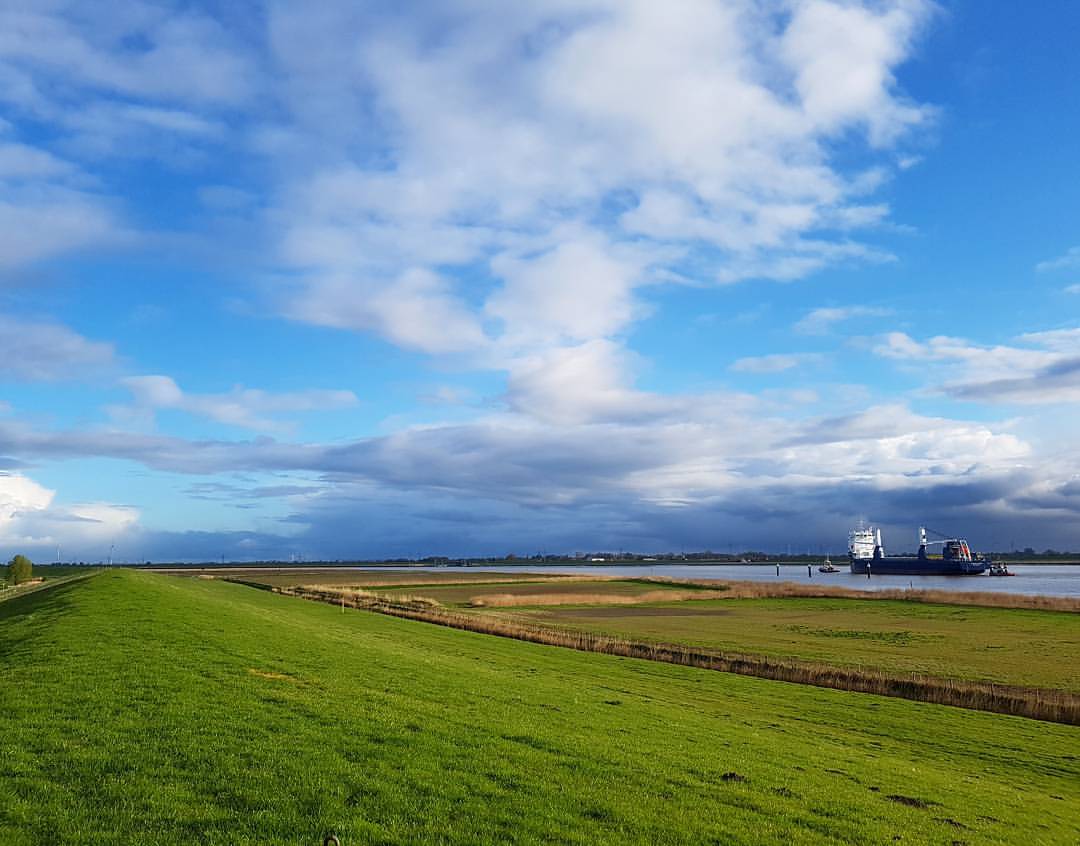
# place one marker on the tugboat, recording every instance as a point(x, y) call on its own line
point(828, 567)
point(999, 569)
point(867, 554)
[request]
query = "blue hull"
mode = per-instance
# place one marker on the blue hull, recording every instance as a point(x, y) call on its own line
point(915, 566)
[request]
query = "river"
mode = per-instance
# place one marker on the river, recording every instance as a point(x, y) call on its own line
point(1033, 579)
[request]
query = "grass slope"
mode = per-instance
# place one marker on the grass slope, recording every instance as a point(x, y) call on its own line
point(146, 709)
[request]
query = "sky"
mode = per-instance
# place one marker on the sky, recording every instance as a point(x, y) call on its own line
point(367, 280)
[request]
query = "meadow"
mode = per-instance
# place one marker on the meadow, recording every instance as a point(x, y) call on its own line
point(141, 708)
point(1027, 648)
point(1002, 645)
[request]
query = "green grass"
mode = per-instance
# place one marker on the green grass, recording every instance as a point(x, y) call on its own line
point(1000, 645)
point(146, 709)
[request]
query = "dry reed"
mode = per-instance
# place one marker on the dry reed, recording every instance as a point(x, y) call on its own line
point(783, 590)
point(1035, 703)
point(514, 600)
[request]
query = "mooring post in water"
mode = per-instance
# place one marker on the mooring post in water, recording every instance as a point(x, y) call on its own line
point(868, 569)
point(778, 569)
point(809, 571)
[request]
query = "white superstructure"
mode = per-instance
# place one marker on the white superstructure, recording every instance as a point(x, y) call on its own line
point(862, 540)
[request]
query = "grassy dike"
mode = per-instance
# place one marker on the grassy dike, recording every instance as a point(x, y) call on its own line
point(145, 709)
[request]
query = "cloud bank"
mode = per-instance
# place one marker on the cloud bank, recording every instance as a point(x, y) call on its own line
point(505, 192)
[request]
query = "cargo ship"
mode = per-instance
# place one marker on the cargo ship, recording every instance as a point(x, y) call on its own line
point(867, 556)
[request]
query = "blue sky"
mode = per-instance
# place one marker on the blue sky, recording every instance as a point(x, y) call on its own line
point(466, 279)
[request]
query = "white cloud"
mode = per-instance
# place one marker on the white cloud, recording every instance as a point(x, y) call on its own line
point(19, 493)
point(1054, 384)
point(1045, 372)
point(775, 363)
point(537, 163)
point(821, 320)
point(43, 220)
point(842, 56)
point(417, 310)
point(19, 162)
point(448, 395)
point(46, 207)
point(48, 352)
point(138, 51)
point(141, 81)
point(246, 408)
point(29, 518)
point(1065, 341)
point(579, 290)
point(1068, 261)
point(578, 384)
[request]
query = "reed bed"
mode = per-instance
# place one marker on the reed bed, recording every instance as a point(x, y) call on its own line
point(360, 595)
point(514, 600)
point(1035, 703)
point(780, 590)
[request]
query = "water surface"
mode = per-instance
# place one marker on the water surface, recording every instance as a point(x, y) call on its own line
point(1034, 579)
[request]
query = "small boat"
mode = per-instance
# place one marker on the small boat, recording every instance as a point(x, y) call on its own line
point(998, 569)
point(828, 567)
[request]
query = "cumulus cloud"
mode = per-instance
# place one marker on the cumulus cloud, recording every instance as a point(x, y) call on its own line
point(247, 408)
point(578, 384)
point(31, 520)
point(843, 55)
point(579, 290)
point(542, 195)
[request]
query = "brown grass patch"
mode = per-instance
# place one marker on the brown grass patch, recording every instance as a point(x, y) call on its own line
point(267, 674)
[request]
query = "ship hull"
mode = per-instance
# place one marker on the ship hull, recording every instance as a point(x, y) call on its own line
point(912, 566)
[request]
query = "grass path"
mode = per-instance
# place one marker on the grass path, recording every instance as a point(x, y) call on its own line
point(147, 709)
